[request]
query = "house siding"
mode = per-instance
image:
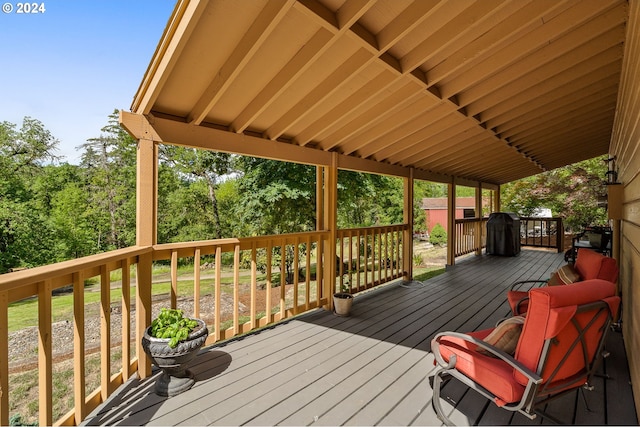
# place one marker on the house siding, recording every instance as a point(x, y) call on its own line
point(625, 145)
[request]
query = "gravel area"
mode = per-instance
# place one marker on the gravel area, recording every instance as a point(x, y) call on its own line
point(23, 344)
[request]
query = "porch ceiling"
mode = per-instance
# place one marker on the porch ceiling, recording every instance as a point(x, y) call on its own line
point(487, 90)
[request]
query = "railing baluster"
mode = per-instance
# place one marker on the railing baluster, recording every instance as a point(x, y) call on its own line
point(307, 275)
point(174, 279)
point(236, 289)
point(78, 346)
point(218, 294)
point(254, 286)
point(283, 279)
point(196, 283)
point(296, 277)
point(126, 317)
point(105, 333)
point(45, 368)
point(268, 278)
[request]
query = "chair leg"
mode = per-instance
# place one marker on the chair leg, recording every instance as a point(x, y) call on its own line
point(435, 399)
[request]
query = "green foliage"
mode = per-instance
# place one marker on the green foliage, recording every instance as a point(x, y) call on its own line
point(571, 192)
point(438, 235)
point(172, 325)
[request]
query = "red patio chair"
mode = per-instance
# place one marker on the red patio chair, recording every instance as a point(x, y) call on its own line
point(557, 351)
point(589, 265)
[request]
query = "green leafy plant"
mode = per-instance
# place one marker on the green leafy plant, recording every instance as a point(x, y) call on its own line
point(171, 324)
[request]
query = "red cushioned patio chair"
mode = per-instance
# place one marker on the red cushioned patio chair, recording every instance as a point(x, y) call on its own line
point(558, 350)
point(589, 265)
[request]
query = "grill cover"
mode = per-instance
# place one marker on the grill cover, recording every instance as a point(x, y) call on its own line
point(503, 234)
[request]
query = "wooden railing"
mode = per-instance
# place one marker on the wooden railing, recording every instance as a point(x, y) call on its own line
point(542, 232)
point(275, 288)
point(236, 285)
point(369, 257)
point(41, 283)
point(470, 235)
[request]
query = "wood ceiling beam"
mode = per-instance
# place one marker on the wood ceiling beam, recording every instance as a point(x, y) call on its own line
point(386, 135)
point(409, 19)
point(266, 22)
point(348, 108)
point(406, 94)
point(519, 45)
point(443, 119)
point(464, 143)
point(169, 131)
point(573, 131)
point(350, 67)
point(184, 19)
point(447, 25)
point(596, 108)
point(517, 20)
point(378, 133)
point(558, 100)
point(298, 65)
point(562, 54)
point(491, 81)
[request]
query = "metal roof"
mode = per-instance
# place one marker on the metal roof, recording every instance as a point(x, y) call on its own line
point(487, 90)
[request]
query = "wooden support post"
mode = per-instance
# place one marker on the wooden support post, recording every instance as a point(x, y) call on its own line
point(330, 222)
point(407, 238)
point(451, 223)
point(146, 235)
point(477, 232)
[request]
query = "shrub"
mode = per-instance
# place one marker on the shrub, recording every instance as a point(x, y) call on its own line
point(438, 235)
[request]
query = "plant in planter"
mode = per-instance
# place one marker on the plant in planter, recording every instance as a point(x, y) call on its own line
point(172, 341)
point(343, 300)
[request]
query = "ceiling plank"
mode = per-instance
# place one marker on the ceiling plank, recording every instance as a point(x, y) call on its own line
point(575, 63)
point(299, 63)
point(273, 12)
point(184, 19)
point(544, 57)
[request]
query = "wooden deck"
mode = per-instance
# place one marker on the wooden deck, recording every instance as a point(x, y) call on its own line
point(371, 368)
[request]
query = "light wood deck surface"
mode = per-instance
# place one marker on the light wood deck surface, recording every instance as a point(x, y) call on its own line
point(371, 368)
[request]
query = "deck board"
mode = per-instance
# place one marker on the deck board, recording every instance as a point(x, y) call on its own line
point(371, 368)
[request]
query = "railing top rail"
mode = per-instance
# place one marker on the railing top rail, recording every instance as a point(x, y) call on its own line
point(373, 227)
point(17, 279)
point(463, 220)
point(542, 218)
point(234, 241)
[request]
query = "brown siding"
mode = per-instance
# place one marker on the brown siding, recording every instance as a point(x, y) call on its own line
point(625, 145)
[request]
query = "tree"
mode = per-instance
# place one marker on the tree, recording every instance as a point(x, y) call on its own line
point(207, 166)
point(25, 236)
point(109, 162)
point(571, 192)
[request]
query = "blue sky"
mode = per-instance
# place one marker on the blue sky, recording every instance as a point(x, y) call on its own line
point(72, 65)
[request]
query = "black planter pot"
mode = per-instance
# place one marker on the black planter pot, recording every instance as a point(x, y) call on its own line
point(175, 378)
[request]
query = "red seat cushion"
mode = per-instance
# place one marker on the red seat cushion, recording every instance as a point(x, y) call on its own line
point(494, 374)
point(548, 316)
point(593, 265)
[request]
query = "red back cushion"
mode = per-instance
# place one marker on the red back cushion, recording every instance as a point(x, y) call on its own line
point(549, 316)
point(593, 265)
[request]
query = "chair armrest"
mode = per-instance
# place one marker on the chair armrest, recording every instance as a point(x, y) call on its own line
point(531, 376)
point(517, 284)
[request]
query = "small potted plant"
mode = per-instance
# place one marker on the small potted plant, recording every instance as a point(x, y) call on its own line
point(343, 300)
point(171, 342)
